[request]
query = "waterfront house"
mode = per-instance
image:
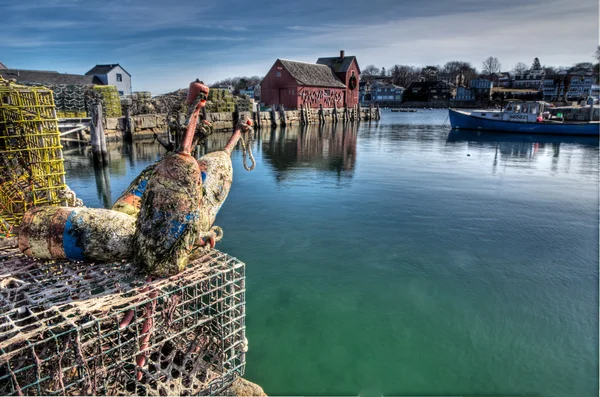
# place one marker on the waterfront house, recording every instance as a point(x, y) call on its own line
point(329, 81)
point(479, 90)
point(578, 83)
point(426, 91)
point(386, 94)
point(113, 74)
point(364, 92)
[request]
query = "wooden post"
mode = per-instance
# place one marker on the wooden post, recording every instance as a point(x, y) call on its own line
point(378, 114)
point(321, 114)
point(346, 113)
point(98, 139)
point(273, 116)
point(256, 116)
point(302, 121)
point(335, 115)
point(128, 124)
point(359, 111)
point(282, 115)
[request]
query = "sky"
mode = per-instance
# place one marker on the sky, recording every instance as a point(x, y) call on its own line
point(166, 44)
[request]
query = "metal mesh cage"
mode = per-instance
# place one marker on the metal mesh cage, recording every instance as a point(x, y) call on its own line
point(31, 164)
point(70, 328)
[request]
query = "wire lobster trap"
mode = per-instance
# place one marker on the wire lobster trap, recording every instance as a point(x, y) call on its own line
point(70, 328)
point(31, 163)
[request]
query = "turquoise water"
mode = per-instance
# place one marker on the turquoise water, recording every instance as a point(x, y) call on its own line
point(402, 258)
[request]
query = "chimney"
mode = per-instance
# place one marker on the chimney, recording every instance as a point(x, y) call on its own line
point(342, 54)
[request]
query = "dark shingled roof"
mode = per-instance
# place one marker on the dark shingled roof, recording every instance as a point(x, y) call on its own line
point(46, 77)
point(312, 74)
point(339, 65)
point(104, 69)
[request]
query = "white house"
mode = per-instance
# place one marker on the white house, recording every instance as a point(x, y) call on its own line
point(113, 74)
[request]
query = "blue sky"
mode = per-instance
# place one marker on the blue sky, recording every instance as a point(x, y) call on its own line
point(166, 44)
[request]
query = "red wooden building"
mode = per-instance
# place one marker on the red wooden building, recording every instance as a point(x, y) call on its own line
point(329, 81)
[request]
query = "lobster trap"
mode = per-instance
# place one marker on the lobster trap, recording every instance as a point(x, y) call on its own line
point(31, 163)
point(70, 328)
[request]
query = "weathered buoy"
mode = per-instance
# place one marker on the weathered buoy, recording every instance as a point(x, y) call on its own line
point(216, 171)
point(167, 225)
point(76, 233)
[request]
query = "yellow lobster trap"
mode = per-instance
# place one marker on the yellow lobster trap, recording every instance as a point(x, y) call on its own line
point(31, 163)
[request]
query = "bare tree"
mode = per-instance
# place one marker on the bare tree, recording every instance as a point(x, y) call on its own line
point(597, 54)
point(491, 65)
point(519, 68)
point(403, 75)
point(369, 72)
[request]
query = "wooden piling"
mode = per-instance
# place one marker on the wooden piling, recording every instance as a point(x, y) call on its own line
point(321, 114)
point(378, 114)
point(98, 139)
point(128, 124)
point(302, 121)
point(282, 115)
point(359, 112)
point(335, 115)
point(273, 116)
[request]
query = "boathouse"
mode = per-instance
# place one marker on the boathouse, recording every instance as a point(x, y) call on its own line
point(329, 82)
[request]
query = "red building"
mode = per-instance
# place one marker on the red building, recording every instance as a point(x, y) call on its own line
point(329, 81)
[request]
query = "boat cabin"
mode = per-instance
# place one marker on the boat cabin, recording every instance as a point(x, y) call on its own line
point(525, 112)
point(517, 111)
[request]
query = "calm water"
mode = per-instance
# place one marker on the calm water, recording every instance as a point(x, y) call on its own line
point(402, 258)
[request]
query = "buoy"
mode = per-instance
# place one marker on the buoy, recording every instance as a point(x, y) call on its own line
point(131, 200)
point(76, 233)
point(216, 172)
point(167, 225)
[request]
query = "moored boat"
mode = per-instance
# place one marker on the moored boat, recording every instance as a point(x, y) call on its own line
point(523, 117)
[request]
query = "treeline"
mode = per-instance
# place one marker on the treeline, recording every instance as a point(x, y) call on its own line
point(239, 83)
point(403, 75)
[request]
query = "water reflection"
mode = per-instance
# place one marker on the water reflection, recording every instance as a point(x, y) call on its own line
point(327, 148)
point(520, 149)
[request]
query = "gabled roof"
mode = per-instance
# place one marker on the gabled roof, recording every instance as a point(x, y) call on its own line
point(104, 69)
point(312, 74)
point(2, 66)
point(46, 77)
point(339, 65)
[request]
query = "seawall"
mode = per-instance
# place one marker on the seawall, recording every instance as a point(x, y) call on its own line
point(146, 125)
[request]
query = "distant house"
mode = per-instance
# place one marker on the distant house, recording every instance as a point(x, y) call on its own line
point(386, 93)
point(578, 83)
point(329, 81)
point(502, 79)
point(249, 91)
point(479, 90)
point(113, 74)
point(582, 84)
point(364, 92)
point(425, 91)
point(223, 87)
point(531, 78)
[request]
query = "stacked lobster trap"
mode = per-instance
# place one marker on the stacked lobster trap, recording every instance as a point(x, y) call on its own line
point(31, 163)
point(69, 328)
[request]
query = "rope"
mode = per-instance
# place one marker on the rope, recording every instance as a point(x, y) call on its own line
point(247, 150)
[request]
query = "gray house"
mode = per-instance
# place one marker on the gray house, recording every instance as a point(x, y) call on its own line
point(113, 75)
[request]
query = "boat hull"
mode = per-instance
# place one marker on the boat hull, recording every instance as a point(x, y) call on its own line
point(461, 120)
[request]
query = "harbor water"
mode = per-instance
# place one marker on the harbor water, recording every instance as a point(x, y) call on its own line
point(402, 258)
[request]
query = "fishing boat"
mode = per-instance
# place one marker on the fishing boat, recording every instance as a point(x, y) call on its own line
point(523, 117)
